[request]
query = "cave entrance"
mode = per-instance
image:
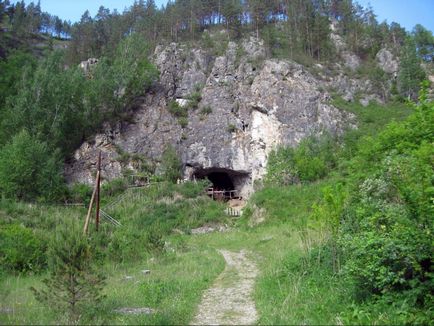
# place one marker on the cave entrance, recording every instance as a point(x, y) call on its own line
point(225, 184)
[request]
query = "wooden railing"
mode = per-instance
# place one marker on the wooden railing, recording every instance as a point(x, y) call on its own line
point(222, 194)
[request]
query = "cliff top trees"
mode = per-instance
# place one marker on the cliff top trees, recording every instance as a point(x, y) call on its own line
point(424, 40)
point(410, 72)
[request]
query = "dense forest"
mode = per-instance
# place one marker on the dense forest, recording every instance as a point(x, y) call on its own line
point(348, 219)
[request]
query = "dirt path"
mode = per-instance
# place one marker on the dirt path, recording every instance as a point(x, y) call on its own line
point(229, 301)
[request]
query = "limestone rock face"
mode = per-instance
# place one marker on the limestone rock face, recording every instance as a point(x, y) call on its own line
point(387, 61)
point(350, 60)
point(252, 105)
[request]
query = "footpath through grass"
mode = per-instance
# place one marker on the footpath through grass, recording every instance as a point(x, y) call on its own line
point(186, 266)
point(292, 287)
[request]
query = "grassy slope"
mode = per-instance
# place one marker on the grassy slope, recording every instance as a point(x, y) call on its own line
point(291, 289)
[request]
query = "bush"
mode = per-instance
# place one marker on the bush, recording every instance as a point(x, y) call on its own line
point(177, 110)
point(29, 171)
point(193, 189)
point(385, 225)
point(183, 122)
point(80, 193)
point(206, 110)
point(194, 98)
point(114, 187)
point(127, 244)
point(387, 240)
point(21, 250)
point(313, 159)
point(73, 284)
point(155, 240)
point(170, 165)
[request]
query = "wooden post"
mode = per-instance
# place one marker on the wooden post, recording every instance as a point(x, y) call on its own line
point(98, 188)
point(86, 223)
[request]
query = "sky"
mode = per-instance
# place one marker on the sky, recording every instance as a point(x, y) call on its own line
point(407, 13)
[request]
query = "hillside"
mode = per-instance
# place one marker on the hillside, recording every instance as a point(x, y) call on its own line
point(261, 163)
point(286, 230)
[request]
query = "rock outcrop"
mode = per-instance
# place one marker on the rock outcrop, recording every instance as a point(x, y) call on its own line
point(248, 107)
point(387, 61)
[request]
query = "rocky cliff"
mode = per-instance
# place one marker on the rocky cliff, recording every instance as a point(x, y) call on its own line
point(247, 106)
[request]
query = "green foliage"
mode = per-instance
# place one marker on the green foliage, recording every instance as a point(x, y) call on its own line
point(176, 110)
point(313, 159)
point(133, 73)
point(114, 187)
point(13, 68)
point(328, 214)
point(59, 107)
point(379, 78)
point(183, 122)
point(170, 165)
point(216, 41)
point(424, 40)
point(80, 193)
point(195, 97)
point(383, 225)
point(280, 167)
point(154, 238)
point(150, 215)
point(74, 283)
point(193, 189)
point(368, 233)
point(410, 72)
point(21, 249)
point(62, 106)
point(206, 110)
point(29, 171)
point(232, 128)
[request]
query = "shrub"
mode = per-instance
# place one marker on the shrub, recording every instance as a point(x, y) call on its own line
point(21, 250)
point(155, 240)
point(206, 110)
point(231, 128)
point(29, 171)
point(170, 165)
point(80, 193)
point(386, 225)
point(73, 283)
point(177, 110)
point(127, 244)
point(193, 189)
point(183, 122)
point(195, 97)
point(114, 187)
point(280, 168)
point(313, 159)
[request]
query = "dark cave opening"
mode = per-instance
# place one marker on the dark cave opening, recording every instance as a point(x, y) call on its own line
point(224, 183)
point(221, 181)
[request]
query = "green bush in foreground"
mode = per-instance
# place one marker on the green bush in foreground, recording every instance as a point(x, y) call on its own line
point(73, 284)
point(21, 249)
point(385, 223)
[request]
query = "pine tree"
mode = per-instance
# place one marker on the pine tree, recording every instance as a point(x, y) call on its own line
point(73, 283)
point(424, 40)
point(410, 72)
point(170, 165)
